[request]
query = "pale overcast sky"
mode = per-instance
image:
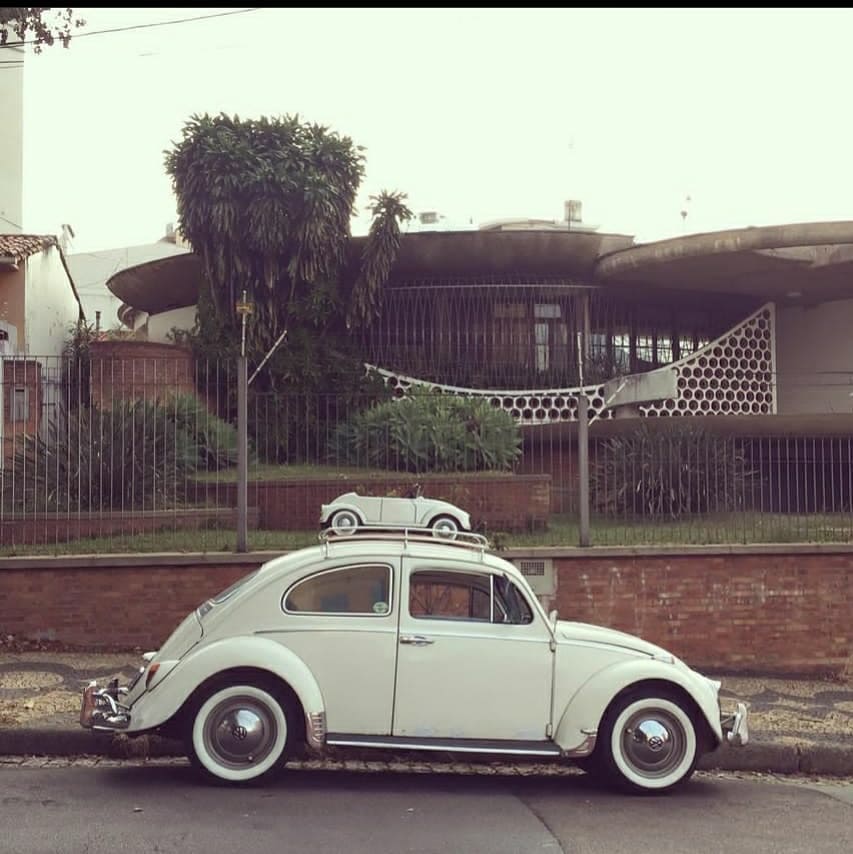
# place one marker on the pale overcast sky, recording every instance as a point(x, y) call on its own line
point(479, 114)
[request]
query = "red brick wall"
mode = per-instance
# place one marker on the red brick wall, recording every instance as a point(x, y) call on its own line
point(108, 607)
point(786, 613)
point(745, 611)
point(139, 369)
point(509, 503)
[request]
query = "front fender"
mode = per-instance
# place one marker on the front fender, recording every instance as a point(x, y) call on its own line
point(158, 705)
point(582, 716)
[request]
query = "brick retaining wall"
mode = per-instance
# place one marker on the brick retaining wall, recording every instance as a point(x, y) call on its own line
point(776, 612)
point(785, 610)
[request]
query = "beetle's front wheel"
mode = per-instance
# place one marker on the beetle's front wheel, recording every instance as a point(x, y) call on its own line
point(648, 742)
point(238, 733)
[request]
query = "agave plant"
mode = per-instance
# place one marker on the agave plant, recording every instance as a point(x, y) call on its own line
point(130, 455)
point(428, 431)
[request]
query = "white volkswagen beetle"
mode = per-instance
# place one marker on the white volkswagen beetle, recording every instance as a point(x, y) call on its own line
point(348, 512)
point(403, 641)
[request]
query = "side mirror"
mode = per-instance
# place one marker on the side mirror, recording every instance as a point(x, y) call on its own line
point(553, 617)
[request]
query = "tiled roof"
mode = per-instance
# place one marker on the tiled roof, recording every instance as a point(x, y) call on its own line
point(21, 246)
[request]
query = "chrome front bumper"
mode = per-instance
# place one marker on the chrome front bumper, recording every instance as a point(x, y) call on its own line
point(101, 708)
point(736, 726)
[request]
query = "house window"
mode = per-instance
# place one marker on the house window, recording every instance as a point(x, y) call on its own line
point(550, 336)
point(542, 346)
point(514, 310)
point(543, 310)
point(20, 403)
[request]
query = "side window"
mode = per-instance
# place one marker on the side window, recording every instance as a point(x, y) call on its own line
point(441, 595)
point(450, 595)
point(363, 590)
point(512, 603)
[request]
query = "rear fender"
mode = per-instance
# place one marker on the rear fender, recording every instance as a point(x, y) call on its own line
point(156, 706)
point(331, 510)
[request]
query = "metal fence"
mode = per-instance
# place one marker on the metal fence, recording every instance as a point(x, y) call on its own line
point(140, 454)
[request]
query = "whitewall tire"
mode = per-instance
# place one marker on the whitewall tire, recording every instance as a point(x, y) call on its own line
point(445, 527)
point(238, 733)
point(344, 522)
point(650, 743)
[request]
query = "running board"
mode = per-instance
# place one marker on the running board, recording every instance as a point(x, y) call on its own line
point(452, 745)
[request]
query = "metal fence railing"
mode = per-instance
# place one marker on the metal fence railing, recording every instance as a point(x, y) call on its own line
point(140, 454)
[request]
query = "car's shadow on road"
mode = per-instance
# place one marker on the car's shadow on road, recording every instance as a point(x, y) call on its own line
point(186, 778)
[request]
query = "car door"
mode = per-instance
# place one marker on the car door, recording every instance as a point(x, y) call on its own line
point(470, 664)
point(398, 511)
point(341, 620)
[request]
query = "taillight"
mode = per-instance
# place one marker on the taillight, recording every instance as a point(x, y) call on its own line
point(152, 670)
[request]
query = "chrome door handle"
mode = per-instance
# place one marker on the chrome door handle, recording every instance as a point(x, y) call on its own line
point(416, 640)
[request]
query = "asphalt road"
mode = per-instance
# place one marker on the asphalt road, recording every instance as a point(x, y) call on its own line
point(136, 808)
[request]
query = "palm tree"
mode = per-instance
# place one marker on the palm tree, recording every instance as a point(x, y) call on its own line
point(267, 205)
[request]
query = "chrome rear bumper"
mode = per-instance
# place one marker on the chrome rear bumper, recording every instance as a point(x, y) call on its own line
point(101, 709)
point(736, 726)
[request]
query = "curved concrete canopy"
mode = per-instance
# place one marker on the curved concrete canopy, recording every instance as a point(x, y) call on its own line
point(803, 262)
point(170, 283)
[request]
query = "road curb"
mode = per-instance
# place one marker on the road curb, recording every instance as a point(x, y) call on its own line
point(831, 759)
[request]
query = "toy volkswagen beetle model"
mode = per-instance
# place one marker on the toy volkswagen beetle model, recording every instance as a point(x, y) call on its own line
point(348, 512)
point(405, 641)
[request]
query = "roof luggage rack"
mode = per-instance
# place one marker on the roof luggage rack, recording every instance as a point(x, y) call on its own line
point(462, 539)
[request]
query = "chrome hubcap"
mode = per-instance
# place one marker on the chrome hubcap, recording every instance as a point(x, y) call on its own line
point(653, 743)
point(240, 731)
point(445, 528)
point(344, 523)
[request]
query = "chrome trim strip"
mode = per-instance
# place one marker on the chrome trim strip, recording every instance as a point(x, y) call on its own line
point(450, 747)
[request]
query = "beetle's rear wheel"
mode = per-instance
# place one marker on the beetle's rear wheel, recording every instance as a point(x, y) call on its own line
point(238, 733)
point(445, 527)
point(344, 522)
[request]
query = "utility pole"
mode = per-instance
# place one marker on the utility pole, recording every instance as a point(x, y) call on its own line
point(244, 309)
point(583, 436)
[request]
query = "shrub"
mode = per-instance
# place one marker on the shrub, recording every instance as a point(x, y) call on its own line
point(216, 439)
point(429, 432)
point(671, 469)
point(131, 455)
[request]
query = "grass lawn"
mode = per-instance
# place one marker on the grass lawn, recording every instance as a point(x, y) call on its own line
point(562, 531)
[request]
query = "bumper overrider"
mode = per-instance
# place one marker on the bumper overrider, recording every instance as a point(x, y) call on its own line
point(102, 708)
point(735, 726)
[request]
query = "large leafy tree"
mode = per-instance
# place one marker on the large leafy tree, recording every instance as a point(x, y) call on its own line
point(267, 205)
point(40, 25)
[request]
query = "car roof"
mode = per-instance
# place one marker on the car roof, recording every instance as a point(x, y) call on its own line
point(361, 546)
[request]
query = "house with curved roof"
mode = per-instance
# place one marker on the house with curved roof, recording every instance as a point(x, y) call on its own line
point(753, 322)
